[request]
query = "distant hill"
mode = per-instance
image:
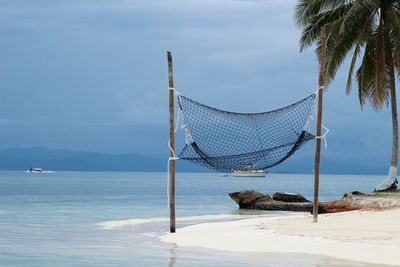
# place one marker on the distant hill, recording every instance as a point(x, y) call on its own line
point(71, 160)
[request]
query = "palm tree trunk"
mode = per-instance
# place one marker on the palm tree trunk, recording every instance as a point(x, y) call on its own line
point(395, 124)
point(391, 181)
point(393, 103)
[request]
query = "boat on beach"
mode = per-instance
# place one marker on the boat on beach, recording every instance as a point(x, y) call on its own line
point(32, 169)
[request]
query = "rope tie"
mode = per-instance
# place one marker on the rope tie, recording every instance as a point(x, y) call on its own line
point(319, 88)
point(176, 93)
point(324, 135)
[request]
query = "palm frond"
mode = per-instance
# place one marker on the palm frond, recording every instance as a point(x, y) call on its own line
point(366, 72)
point(306, 9)
point(340, 44)
point(381, 82)
point(356, 53)
point(357, 11)
point(396, 5)
point(358, 27)
point(311, 32)
point(393, 20)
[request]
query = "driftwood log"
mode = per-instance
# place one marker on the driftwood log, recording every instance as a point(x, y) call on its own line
point(289, 197)
point(251, 199)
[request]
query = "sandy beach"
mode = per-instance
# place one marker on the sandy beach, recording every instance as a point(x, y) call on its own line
point(364, 236)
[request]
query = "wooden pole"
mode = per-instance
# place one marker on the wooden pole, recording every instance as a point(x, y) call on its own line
point(172, 145)
point(319, 122)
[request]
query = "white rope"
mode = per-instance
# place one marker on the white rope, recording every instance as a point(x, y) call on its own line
point(319, 88)
point(324, 135)
point(174, 157)
point(169, 140)
point(177, 120)
point(176, 93)
point(307, 126)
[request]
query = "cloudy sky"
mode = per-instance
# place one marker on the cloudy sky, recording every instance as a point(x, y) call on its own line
point(92, 74)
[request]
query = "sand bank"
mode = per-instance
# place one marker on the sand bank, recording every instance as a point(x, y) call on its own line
point(365, 236)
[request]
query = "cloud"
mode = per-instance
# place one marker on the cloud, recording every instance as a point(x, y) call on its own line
point(97, 68)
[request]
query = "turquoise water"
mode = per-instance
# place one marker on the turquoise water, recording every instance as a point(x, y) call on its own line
point(55, 219)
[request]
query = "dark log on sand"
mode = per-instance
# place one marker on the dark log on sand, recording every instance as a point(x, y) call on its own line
point(248, 198)
point(251, 199)
point(283, 206)
point(289, 197)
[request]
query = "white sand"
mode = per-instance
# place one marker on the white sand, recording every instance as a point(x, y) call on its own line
point(371, 237)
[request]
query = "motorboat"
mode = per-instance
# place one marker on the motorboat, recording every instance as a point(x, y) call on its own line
point(32, 169)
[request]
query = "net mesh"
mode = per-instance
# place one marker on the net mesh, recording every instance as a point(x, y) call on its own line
point(227, 141)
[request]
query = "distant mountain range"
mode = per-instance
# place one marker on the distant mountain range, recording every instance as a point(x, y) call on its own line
point(71, 160)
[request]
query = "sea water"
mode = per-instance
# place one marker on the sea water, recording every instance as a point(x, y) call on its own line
point(115, 218)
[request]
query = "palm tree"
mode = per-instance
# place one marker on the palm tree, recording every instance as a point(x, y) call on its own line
point(369, 29)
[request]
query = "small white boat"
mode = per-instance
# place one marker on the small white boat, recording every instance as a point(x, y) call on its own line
point(249, 171)
point(31, 169)
point(223, 174)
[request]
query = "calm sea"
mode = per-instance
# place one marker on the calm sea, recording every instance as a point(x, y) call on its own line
point(63, 218)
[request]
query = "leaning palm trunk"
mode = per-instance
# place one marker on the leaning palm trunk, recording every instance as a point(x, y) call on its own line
point(391, 181)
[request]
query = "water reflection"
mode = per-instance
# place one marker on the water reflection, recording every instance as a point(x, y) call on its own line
point(172, 255)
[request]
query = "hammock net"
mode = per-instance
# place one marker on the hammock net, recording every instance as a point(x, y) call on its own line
point(228, 141)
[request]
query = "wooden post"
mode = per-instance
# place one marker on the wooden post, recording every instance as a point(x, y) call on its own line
point(172, 145)
point(319, 121)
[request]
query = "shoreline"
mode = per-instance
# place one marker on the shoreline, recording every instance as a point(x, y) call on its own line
point(362, 236)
